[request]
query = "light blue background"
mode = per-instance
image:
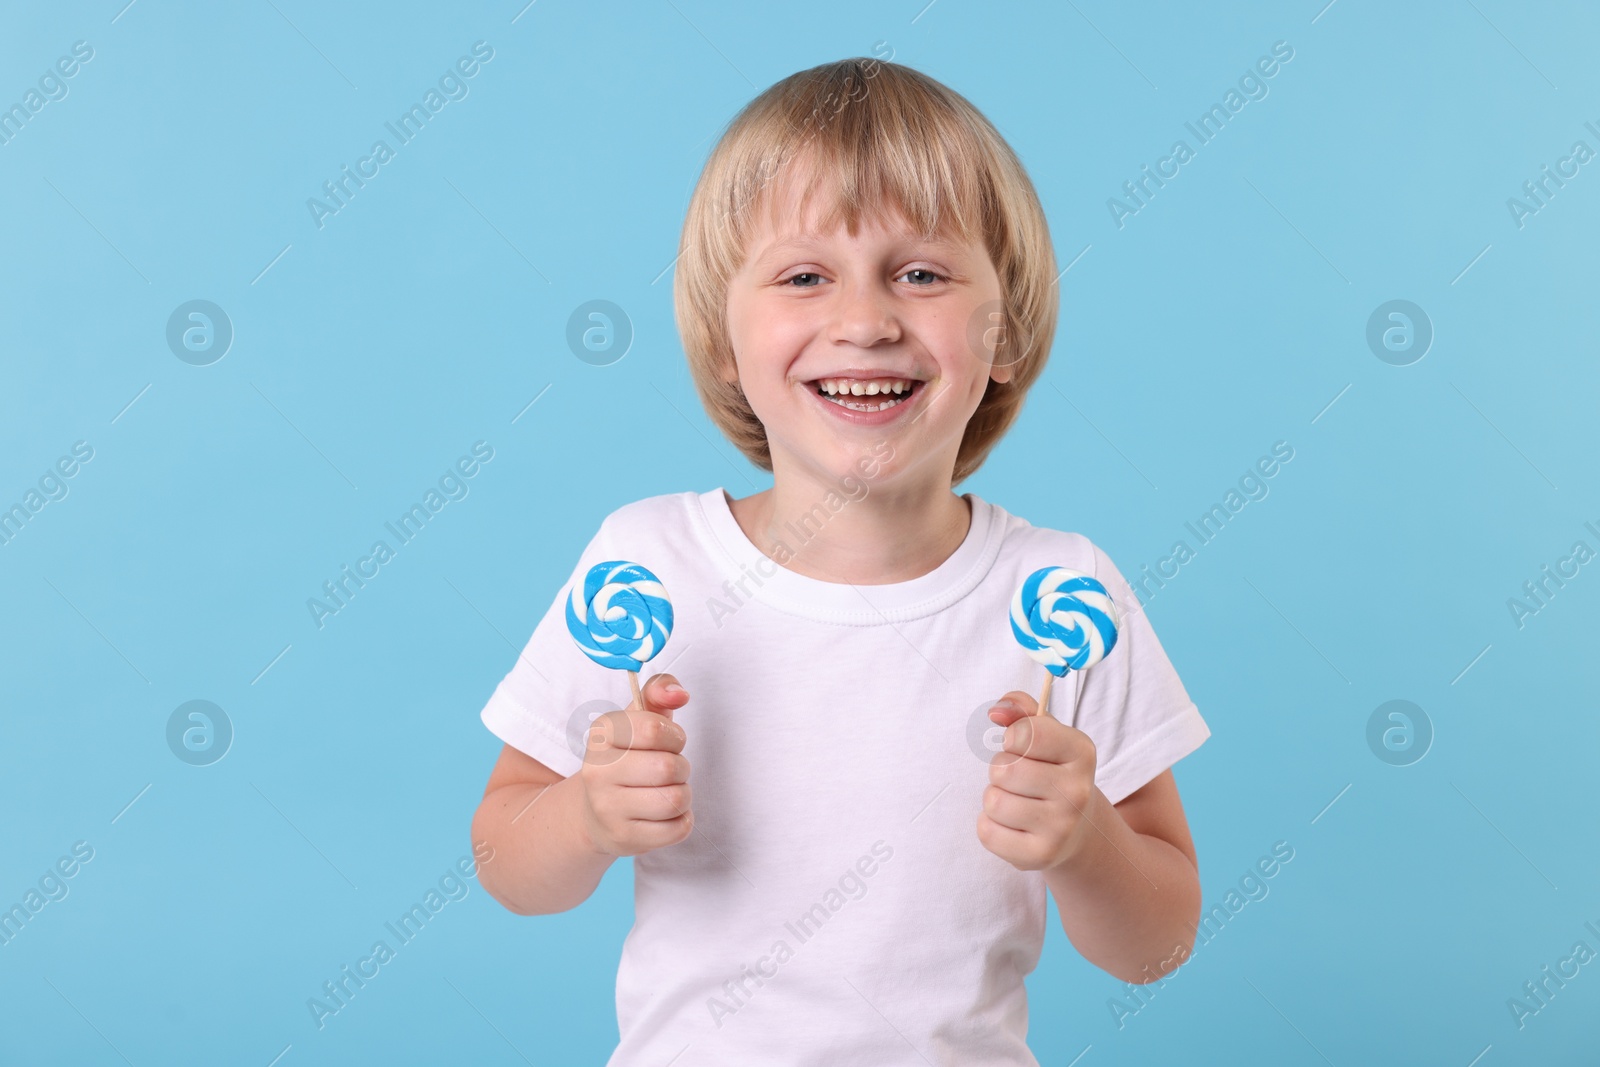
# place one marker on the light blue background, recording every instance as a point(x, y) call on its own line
point(1223, 317)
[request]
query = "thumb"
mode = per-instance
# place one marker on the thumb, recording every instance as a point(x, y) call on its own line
point(663, 695)
point(1011, 707)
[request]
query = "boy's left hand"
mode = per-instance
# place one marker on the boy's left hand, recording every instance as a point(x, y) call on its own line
point(1040, 788)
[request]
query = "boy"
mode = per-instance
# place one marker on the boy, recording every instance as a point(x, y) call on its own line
point(865, 295)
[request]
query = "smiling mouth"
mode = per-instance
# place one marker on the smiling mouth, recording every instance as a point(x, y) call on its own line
point(866, 394)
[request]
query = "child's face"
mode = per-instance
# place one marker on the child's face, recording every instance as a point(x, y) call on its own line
point(809, 313)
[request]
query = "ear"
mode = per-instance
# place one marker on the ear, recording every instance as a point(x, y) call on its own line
point(1001, 374)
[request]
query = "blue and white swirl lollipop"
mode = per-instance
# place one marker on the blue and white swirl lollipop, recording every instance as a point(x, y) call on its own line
point(1064, 619)
point(620, 618)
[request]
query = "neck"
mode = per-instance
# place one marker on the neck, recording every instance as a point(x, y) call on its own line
point(861, 532)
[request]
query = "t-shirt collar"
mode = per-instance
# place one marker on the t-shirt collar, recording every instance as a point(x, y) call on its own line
point(863, 605)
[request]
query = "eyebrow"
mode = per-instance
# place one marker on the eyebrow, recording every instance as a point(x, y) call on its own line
point(805, 241)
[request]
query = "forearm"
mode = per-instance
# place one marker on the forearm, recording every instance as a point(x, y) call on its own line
point(544, 861)
point(1128, 901)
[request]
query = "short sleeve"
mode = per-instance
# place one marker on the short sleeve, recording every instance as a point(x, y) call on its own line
point(1133, 706)
point(544, 704)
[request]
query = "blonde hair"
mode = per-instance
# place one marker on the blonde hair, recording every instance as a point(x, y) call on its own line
point(875, 133)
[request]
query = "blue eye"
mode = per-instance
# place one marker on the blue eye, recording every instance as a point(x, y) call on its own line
point(804, 274)
point(921, 270)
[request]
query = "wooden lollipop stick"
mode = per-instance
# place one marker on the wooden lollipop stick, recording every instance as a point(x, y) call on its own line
point(1044, 694)
point(638, 697)
point(1044, 698)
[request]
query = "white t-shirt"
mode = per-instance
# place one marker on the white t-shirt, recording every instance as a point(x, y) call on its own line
point(833, 905)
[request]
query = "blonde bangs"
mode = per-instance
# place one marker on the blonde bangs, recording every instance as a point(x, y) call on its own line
point(868, 136)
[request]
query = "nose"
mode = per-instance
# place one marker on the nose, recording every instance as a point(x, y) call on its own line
point(864, 314)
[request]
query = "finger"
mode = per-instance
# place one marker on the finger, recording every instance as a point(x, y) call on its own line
point(653, 732)
point(1014, 812)
point(640, 730)
point(1025, 777)
point(648, 834)
point(663, 695)
point(650, 769)
point(655, 803)
point(1046, 738)
point(1011, 707)
point(1022, 850)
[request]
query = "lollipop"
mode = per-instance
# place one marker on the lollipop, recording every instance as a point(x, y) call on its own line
point(1065, 620)
point(621, 619)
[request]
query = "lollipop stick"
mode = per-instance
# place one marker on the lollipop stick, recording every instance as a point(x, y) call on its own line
point(1044, 694)
point(638, 697)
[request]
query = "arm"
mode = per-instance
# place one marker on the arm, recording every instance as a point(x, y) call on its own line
point(1124, 877)
point(554, 837)
point(532, 818)
point(1130, 899)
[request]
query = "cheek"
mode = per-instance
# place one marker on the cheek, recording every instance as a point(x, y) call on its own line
point(977, 385)
point(766, 356)
point(965, 352)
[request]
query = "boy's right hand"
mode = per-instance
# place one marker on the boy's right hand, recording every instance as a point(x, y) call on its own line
point(635, 779)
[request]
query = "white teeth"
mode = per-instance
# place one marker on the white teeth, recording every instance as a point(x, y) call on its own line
point(842, 391)
point(859, 387)
point(857, 406)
